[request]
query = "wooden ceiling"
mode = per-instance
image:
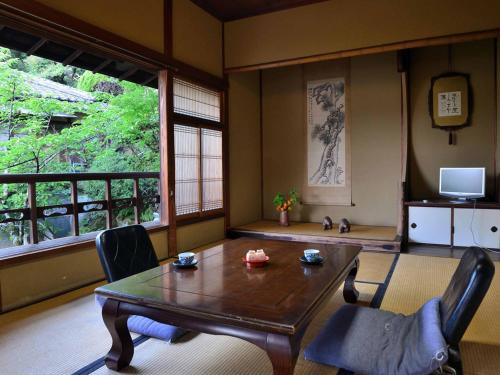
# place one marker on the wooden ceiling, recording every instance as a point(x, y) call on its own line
point(229, 10)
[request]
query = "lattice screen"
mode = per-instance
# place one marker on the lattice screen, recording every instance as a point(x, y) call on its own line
point(187, 169)
point(211, 156)
point(196, 101)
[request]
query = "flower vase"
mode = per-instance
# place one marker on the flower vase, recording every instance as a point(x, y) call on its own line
point(284, 218)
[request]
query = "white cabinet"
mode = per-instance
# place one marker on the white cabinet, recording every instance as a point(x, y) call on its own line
point(430, 225)
point(484, 223)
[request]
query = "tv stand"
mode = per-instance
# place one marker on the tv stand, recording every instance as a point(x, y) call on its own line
point(448, 222)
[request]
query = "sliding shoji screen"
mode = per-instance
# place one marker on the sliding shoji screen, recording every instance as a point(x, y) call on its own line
point(198, 135)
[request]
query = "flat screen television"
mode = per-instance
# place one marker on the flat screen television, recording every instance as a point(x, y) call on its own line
point(462, 183)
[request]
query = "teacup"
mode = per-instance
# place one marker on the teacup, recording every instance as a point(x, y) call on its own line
point(311, 255)
point(186, 258)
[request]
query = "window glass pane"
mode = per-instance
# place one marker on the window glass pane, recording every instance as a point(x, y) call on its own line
point(187, 169)
point(197, 101)
point(211, 146)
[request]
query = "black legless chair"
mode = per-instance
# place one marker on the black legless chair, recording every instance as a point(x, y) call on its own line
point(372, 341)
point(462, 298)
point(124, 252)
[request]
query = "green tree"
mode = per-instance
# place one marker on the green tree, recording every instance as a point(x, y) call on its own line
point(117, 132)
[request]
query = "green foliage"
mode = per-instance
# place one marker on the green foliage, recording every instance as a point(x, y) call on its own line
point(283, 203)
point(115, 133)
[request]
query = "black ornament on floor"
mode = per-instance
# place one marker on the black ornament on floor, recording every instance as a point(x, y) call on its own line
point(344, 226)
point(327, 223)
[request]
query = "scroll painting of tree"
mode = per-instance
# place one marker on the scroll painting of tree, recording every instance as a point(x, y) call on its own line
point(326, 133)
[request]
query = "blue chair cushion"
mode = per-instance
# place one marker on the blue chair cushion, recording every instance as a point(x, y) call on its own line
point(149, 327)
point(372, 341)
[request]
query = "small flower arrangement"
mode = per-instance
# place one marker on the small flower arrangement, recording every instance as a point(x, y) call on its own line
point(283, 203)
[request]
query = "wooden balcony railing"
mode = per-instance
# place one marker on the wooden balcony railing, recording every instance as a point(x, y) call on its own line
point(33, 212)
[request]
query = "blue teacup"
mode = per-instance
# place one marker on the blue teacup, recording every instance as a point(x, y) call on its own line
point(311, 255)
point(186, 258)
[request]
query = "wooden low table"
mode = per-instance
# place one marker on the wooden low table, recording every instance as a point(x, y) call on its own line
point(270, 307)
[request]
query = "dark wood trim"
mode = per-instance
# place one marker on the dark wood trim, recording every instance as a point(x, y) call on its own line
point(261, 133)
point(61, 246)
point(495, 118)
point(74, 203)
point(72, 57)
point(33, 213)
point(109, 208)
point(128, 73)
point(393, 246)
point(52, 24)
point(168, 43)
point(197, 122)
point(36, 46)
point(167, 157)
point(193, 219)
point(226, 203)
point(389, 47)
point(268, 7)
point(102, 65)
point(45, 22)
point(58, 177)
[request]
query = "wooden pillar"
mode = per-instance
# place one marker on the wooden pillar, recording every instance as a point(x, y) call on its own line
point(403, 64)
point(74, 202)
point(167, 158)
point(109, 203)
point(33, 212)
point(138, 201)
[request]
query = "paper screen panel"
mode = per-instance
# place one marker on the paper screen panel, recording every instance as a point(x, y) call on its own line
point(196, 101)
point(187, 169)
point(212, 186)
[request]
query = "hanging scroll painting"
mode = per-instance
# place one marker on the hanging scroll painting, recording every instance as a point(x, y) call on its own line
point(328, 144)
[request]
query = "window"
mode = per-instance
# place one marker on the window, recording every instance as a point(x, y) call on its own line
point(198, 145)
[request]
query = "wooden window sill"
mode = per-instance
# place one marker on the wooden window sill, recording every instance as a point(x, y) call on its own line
point(20, 254)
point(192, 219)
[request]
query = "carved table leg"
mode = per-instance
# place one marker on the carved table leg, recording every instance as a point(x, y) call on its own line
point(283, 351)
point(122, 349)
point(350, 293)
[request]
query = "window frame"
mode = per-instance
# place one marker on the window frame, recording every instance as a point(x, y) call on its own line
point(201, 123)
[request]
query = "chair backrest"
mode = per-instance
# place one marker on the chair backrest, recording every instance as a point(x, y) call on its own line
point(125, 251)
point(464, 294)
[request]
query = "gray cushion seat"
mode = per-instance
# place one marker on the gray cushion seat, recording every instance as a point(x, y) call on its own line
point(372, 341)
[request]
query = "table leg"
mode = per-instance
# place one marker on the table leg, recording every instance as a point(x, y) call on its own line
point(122, 349)
point(283, 350)
point(350, 293)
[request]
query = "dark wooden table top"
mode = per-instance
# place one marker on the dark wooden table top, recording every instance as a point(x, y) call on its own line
point(278, 297)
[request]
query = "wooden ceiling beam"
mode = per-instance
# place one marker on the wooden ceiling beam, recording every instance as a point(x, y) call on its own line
point(72, 57)
point(102, 65)
point(35, 47)
point(148, 80)
point(128, 73)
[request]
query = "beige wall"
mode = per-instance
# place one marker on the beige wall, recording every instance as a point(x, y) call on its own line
point(197, 37)
point(340, 25)
point(375, 139)
point(138, 21)
point(244, 148)
point(199, 234)
point(429, 149)
point(41, 278)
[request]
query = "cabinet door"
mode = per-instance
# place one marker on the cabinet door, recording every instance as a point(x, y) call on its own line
point(484, 223)
point(429, 225)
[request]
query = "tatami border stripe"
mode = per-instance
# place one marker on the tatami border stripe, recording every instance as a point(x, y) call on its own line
point(98, 363)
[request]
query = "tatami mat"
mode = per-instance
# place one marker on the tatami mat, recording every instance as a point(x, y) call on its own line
point(419, 278)
point(224, 355)
point(66, 333)
point(374, 267)
point(316, 229)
